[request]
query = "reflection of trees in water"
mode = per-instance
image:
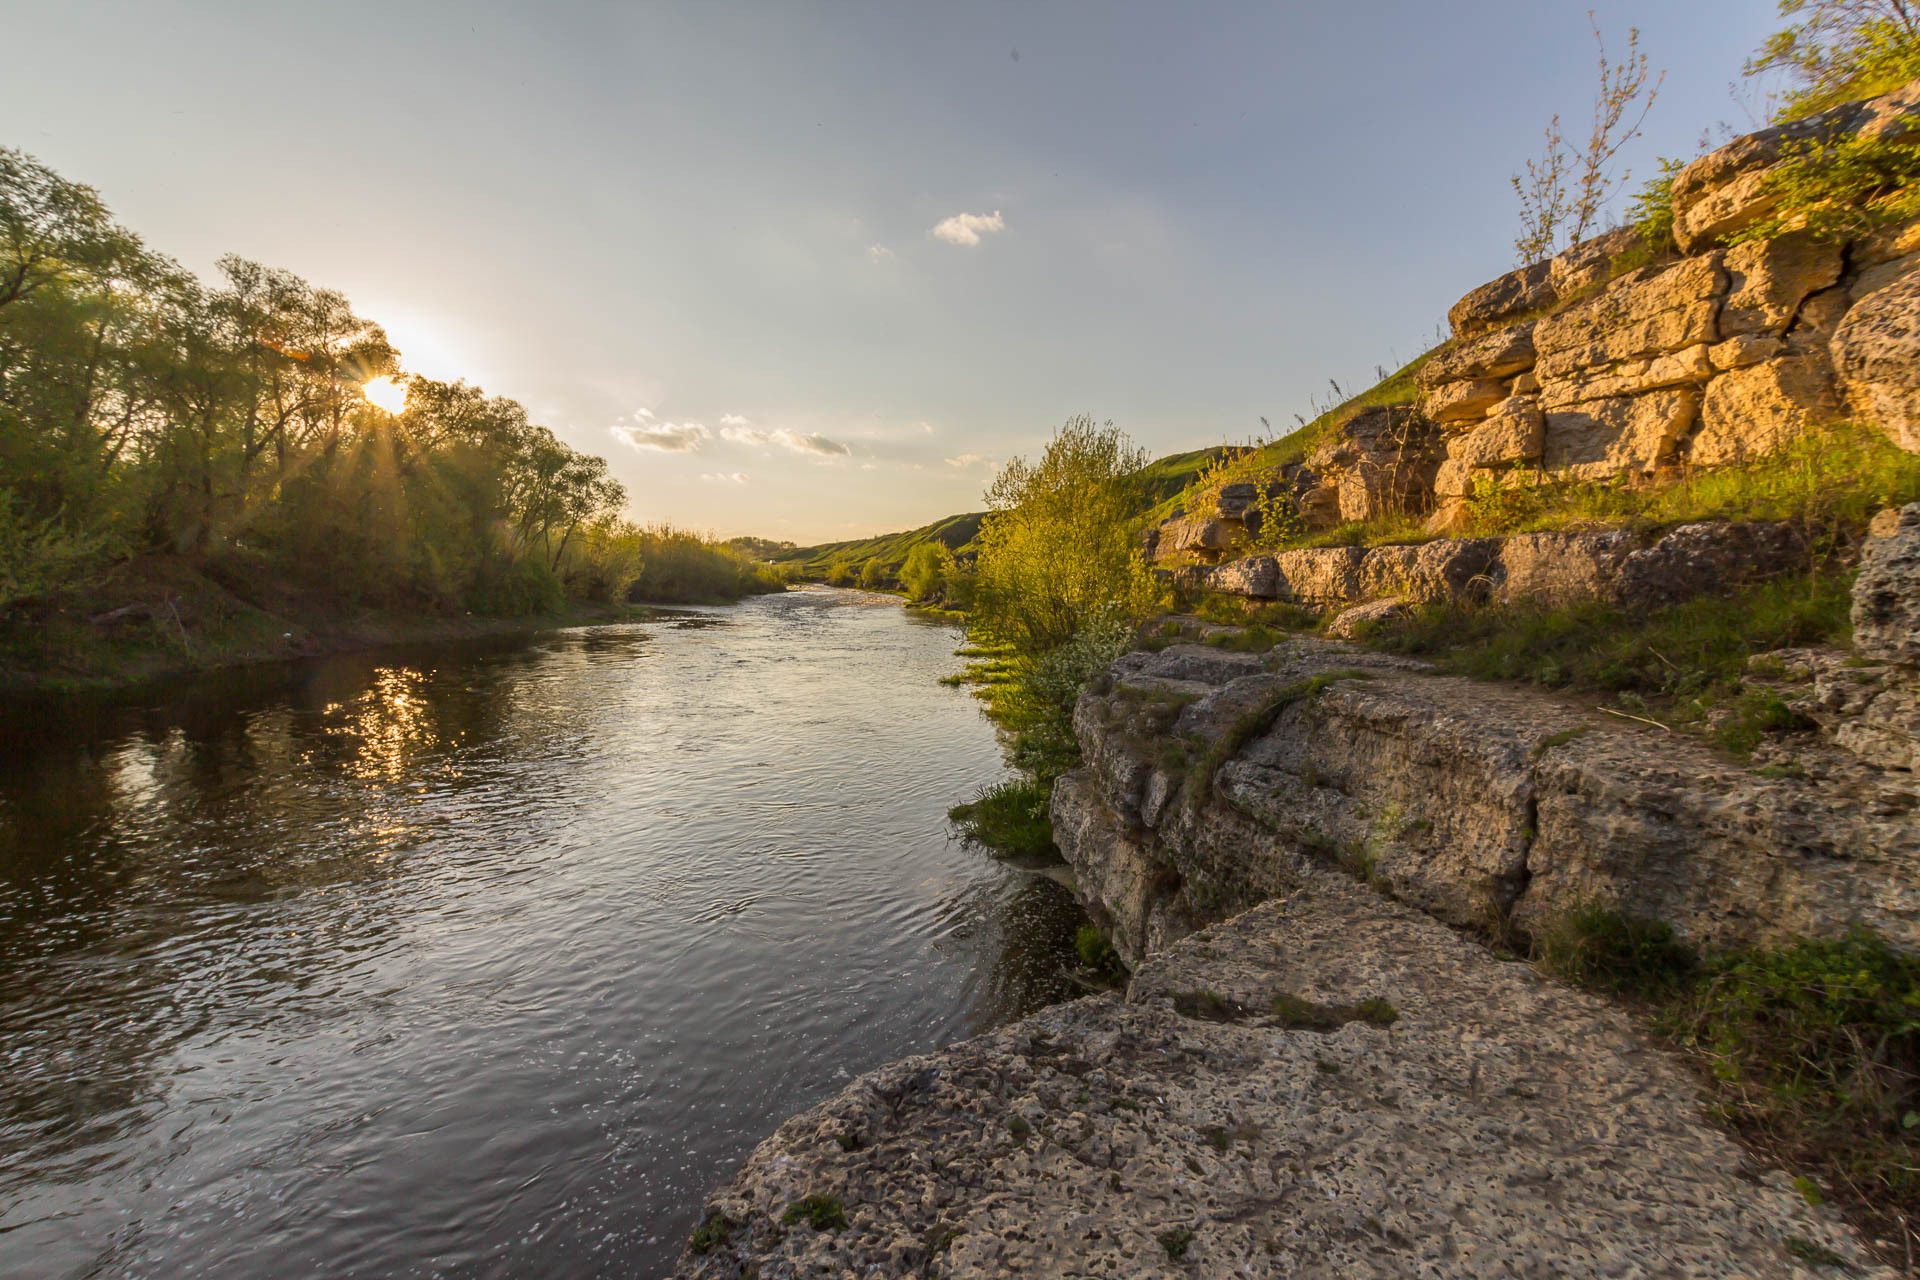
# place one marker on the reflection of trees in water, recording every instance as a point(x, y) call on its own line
point(1019, 930)
point(139, 842)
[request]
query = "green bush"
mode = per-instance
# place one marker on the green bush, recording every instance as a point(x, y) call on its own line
point(1818, 1045)
point(1840, 188)
point(1059, 550)
point(873, 574)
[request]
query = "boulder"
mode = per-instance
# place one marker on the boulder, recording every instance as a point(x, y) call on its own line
point(1759, 410)
point(1499, 354)
point(1255, 576)
point(1445, 571)
point(1319, 575)
point(1559, 568)
point(1235, 499)
point(1644, 313)
point(1725, 191)
point(1463, 401)
point(1624, 435)
point(1625, 567)
point(1196, 533)
point(1886, 595)
point(1876, 353)
point(1497, 301)
point(1515, 431)
point(1348, 622)
point(1741, 351)
point(1768, 280)
point(1591, 261)
point(1387, 485)
point(1454, 479)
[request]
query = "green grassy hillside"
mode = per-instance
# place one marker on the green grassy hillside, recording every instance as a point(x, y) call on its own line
point(1166, 478)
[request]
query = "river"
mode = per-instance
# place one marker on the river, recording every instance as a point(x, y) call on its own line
point(483, 961)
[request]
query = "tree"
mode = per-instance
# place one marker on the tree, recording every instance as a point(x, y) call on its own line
point(924, 574)
point(1566, 192)
point(873, 574)
point(1060, 548)
point(1837, 50)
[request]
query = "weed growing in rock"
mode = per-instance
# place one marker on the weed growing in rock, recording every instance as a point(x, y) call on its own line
point(1814, 1048)
point(1602, 949)
point(1009, 817)
point(1175, 1242)
point(1097, 955)
point(713, 1232)
point(822, 1213)
point(1297, 1014)
point(1812, 1253)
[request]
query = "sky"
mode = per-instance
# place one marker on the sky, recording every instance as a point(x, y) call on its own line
point(811, 270)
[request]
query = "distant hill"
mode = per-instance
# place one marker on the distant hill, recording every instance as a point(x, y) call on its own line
point(1165, 477)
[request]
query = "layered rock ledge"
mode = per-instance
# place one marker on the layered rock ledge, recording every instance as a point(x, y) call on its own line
point(1330, 1084)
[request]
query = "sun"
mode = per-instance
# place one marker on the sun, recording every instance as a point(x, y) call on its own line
point(386, 393)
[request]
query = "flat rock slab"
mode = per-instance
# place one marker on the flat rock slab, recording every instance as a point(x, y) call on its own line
point(1500, 1126)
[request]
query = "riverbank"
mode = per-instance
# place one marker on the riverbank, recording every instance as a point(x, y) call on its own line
point(163, 617)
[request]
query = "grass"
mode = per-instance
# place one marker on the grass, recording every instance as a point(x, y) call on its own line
point(1255, 638)
point(1605, 951)
point(1258, 462)
point(1296, 1014)
point(1828, 482)
point(1813, 1048)
point(822, 1213)
point(1009, 817)
point(1238, 611)
point(1675, 664)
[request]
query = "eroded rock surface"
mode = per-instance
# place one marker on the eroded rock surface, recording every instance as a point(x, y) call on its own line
point(1473, 1121)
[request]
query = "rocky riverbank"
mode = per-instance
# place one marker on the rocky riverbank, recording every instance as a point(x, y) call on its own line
point(1328, 1084)
point(1317, 856)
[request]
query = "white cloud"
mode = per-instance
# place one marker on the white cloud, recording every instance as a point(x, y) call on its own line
point(740, 430)
point(926, 428)
point(878, 253)
point(965, 228)
point(724, 477)
point(970, 459)
point(666, 437)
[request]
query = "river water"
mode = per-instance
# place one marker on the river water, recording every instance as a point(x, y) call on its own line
point(483, 961)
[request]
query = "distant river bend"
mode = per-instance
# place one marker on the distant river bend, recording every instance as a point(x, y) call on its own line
point(482, 961)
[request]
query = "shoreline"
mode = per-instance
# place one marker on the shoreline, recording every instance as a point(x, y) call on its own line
point(303, 640)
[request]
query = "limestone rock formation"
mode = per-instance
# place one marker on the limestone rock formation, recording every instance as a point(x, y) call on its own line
point(1477, 803)
point(1876, 350)
point(1725, 191)
point(1619, 565)
point(1326, 1085)
point(1886, 595)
